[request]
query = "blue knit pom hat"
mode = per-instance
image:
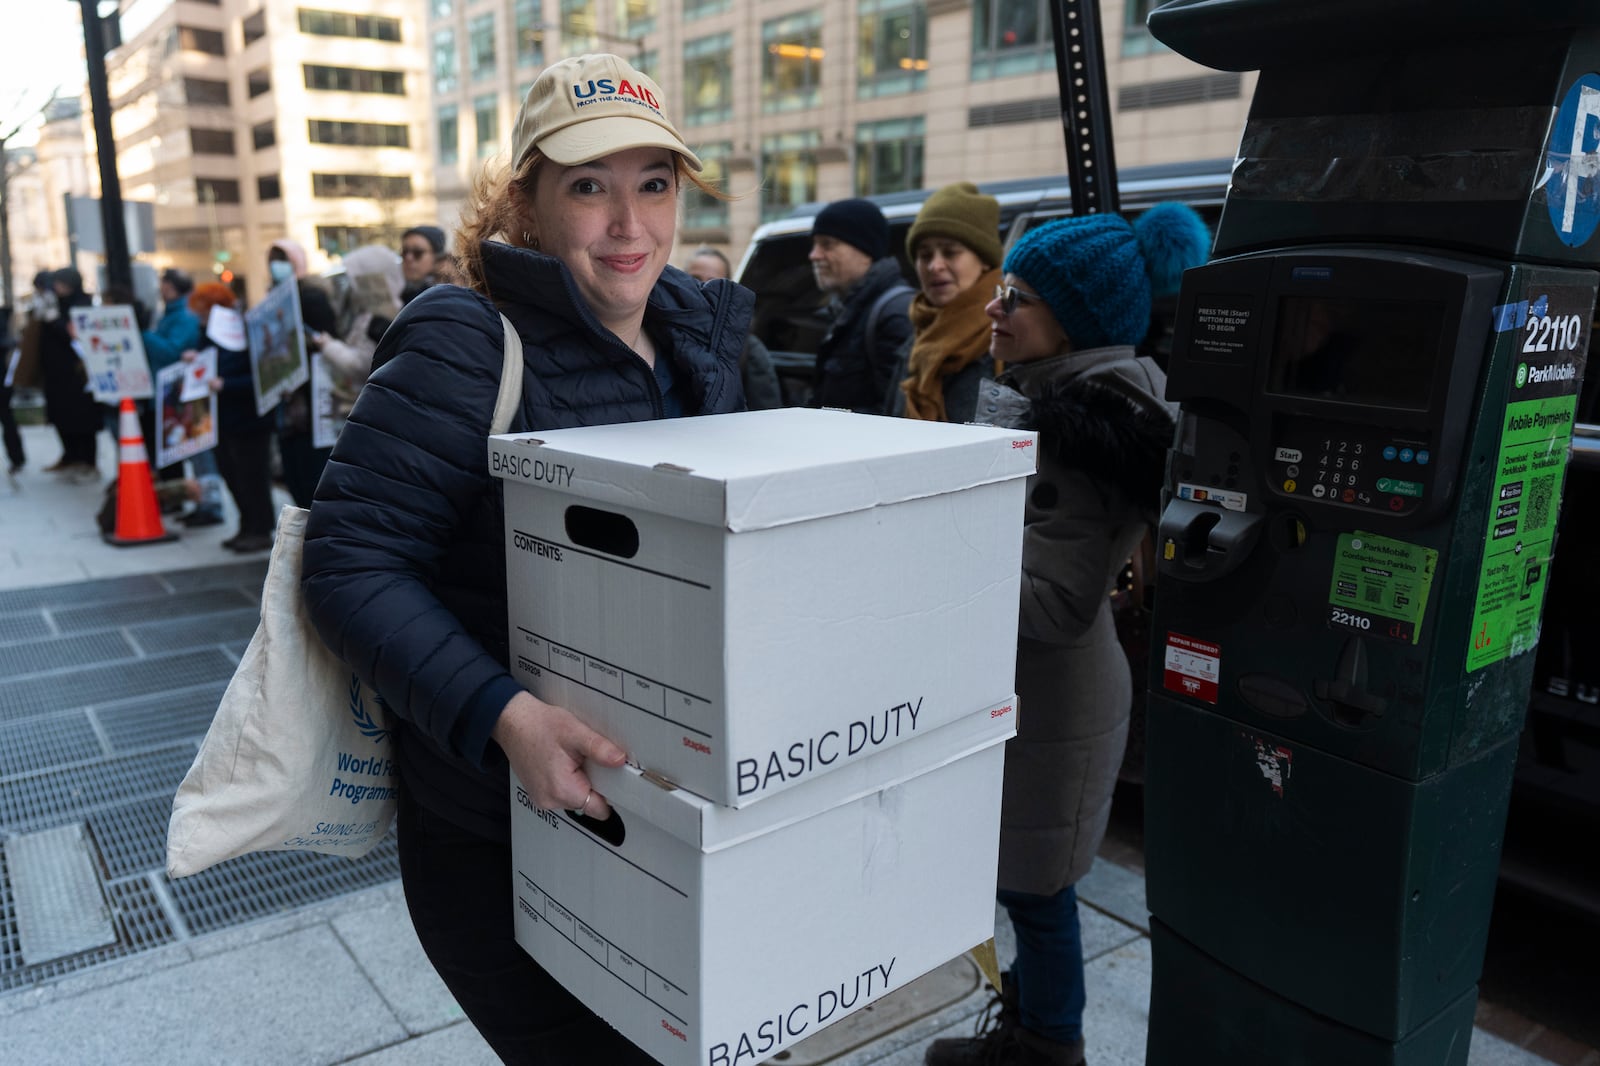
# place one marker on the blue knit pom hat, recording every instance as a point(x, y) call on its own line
point(1099, 275)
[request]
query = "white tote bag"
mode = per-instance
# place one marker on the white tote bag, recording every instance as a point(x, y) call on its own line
point(298, 755)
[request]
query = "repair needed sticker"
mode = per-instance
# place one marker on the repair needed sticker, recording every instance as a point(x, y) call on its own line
point(1193, 667)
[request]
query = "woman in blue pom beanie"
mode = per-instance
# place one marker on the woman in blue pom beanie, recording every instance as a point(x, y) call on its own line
point(1074, 302)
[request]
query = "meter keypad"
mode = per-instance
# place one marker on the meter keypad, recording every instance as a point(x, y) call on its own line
point(1351, 466)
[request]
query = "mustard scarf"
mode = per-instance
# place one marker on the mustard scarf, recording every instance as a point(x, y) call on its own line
point(948, 340)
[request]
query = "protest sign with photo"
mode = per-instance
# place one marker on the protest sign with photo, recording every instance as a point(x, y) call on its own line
point(327, 415)
point(183, 427)
point(277, 346)
point(112, 352)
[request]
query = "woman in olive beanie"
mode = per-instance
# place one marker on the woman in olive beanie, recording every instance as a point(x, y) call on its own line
point(955, 246)
point(1074, 302)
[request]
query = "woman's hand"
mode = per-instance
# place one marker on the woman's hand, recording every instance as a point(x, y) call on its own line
point(189, 355)
point(547, 747)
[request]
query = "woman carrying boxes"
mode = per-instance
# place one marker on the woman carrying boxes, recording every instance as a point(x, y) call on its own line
point(404, 572)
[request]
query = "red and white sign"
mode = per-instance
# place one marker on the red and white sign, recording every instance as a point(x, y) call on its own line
point(1193, 667)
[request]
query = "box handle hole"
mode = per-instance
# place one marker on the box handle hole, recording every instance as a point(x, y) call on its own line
point(604, 531)
point(612, 831)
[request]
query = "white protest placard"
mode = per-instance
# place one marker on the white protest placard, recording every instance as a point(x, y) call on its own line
point(225, 327)
point(326, 421)
point(112, 352)
point(197, 382)
point(278, 361)
point(183, 429)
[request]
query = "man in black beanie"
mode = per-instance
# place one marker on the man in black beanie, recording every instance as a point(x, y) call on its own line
point(868, 298)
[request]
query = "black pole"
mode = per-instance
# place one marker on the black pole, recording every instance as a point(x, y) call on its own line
point(1085, 105)
point(119, 271)
point(5, 229)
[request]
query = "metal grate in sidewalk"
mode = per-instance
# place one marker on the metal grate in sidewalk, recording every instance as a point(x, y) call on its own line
point(106, 688)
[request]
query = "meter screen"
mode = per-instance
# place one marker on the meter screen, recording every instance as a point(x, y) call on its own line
point(1376, 352)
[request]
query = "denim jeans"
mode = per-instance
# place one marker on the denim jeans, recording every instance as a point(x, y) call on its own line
point(458, 889)
point(1048, 973)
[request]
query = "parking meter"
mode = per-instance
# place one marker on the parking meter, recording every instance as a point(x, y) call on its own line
point(1358, 519)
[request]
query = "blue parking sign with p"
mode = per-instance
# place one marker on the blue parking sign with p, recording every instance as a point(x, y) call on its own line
point(1572, 164)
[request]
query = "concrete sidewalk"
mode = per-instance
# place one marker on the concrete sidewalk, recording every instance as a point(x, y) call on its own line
point(344, 981)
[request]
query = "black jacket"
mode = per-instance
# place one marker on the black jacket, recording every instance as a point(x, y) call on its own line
point(404, 571)
point(854, 371)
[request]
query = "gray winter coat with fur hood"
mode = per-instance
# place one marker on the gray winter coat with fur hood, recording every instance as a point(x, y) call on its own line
point(1103, 434)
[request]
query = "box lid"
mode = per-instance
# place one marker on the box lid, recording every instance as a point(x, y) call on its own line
point(758, 469)
point(711, 827)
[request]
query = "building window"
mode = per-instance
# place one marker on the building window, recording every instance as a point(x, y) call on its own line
point(648, 64)
point(1136, 39)
point(191, 39)
point(893, 53)
point(577, 27)
point(528, 17)
point(442, 9)
point(355, 80)
point(205, 91)
point(269, 188)
point(699, 210)
point(254, 27)
point(695, 9)
point(889, 156)
point(264, 135)
point(449, 135)
point(445, 66)
point(359, 134)
point(258, 82)
point(362, 186)
point(340, 24)
point(788, 172)
point(791, 62)
point(636, 18)
point(1011, 37)
point(339, 240)
point(708, 79)
point(480, 46)
point(216, 191)
point(211, 142)
point(486, 120)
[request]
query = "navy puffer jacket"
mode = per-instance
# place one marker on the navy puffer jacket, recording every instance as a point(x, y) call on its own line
point(404, 570)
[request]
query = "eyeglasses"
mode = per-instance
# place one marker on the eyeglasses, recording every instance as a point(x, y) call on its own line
point(414, 253)
point(1008, 295)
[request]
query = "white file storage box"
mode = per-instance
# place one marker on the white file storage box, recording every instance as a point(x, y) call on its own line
point(746, 601)
point(711, 936)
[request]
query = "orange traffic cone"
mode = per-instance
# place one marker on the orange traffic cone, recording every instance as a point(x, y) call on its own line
point(138, 513)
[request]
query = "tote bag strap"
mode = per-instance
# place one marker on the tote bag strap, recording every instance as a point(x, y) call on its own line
point(510, 397)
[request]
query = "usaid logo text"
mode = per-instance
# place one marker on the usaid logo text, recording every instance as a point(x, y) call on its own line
point(604, 89)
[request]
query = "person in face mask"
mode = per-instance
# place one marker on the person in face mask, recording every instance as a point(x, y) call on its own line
point(302, 462)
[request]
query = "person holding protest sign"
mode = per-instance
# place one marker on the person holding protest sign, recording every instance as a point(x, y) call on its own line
point(404, 570)
point(67, 404)
point(244, 438)
point(302, 459)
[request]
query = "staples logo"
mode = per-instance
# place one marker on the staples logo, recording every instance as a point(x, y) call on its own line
point(604, 90)
point(1016, 444)
point(704, 749)
point(1000, 712)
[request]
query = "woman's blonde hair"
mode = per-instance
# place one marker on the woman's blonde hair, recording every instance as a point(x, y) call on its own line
point(496, 207)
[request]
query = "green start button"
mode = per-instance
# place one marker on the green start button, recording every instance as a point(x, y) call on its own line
point(1400, 488)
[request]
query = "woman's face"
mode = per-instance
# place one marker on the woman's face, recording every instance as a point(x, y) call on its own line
point(612, 222)
point(416, 257)
point(946, 268)
point(1029, 332)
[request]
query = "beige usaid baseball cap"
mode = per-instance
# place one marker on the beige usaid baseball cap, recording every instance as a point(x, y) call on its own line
point(590, 106)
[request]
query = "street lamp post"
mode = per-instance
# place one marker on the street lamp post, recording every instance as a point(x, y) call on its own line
point(119, 269)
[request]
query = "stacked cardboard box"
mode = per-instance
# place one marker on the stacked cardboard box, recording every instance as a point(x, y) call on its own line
point(801, 625)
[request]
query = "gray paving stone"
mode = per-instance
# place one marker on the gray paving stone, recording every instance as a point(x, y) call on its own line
point(385, 946)
point(459, 1045)
point(1118, 892)
point(299, 999)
